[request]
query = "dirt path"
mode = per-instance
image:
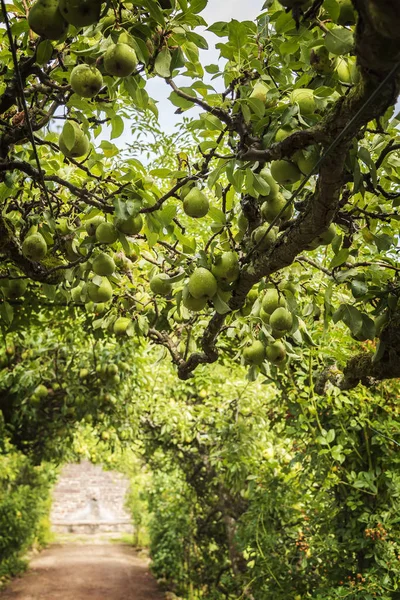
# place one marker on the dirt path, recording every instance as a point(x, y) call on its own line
point(85, 572)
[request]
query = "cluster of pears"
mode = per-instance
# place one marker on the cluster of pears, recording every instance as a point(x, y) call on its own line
point(273, 311)
point(203, 283)
point(51, 18)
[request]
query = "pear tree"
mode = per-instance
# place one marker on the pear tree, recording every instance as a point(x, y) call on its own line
point(285, 177)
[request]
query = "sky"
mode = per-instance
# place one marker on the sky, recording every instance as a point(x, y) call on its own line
point(216, 10)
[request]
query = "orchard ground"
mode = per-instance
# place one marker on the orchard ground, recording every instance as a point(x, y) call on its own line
point(87, 572)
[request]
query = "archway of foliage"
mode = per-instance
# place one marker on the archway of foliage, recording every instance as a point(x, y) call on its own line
point(294, 177)
point(274, 474)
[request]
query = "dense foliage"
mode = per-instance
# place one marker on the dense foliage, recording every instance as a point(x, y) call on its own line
point(24, 506)
point(254, 254)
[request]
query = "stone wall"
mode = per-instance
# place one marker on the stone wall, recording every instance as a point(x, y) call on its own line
point(88, 499)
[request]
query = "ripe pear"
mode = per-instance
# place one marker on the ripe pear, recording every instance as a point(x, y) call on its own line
point(100, 293)
point(186, 189)
point(121, 325)
point(191, 303)
point(226, 267)
point(273, 300)
point(260, 92)
point(255, 353)
point(264, 316)
point(202, 284)
point(41, 391)
point(106, 233)
point(271, 208)
point(283, 133)
point(276, 353)
point(103, 264)
point(307, 159)
point(34, 247)
point(120, 60)
point(86, 81)
point(250, 300)
point(46, 20)
point(131, 225)
point(160, 284)
point(73, 142)
point(262, 239)
point(15, 288)
point(281, 320)
point(196, 204)
point(80, 13)
point(93, 223)
point(285, 172)
point(304, 97)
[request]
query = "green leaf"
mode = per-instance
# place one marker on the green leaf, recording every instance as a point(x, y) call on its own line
point(162, 65)
point(44, 52)
point(68, 135)
point(339, 41)
point(117, 127)
point(358, 288)
point(351, 317)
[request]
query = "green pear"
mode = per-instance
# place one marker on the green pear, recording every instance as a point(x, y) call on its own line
point(103, 264)
point(260, 92)
point(121, 325)
point(304, 97)
point(80, 13)
point(131, 225)
point(46, 20)
point(191, 303)
point(285, 172)
point(73, 142)
point(262, 239)
point(283, 133)
point(255, 353)
point(276, 353)
point(106, 233)
point(307, 159)
point(273, 300)
point(281, 320)
point(41, 391)
point(86, 81)
point(120, 60)
point(100, 293)
point(202, 284)
point(93, 223)
point(34, 247)
point(196, 204)
point(160, 284)
point(15, 288)
point(271, 208)
point(226, 267)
